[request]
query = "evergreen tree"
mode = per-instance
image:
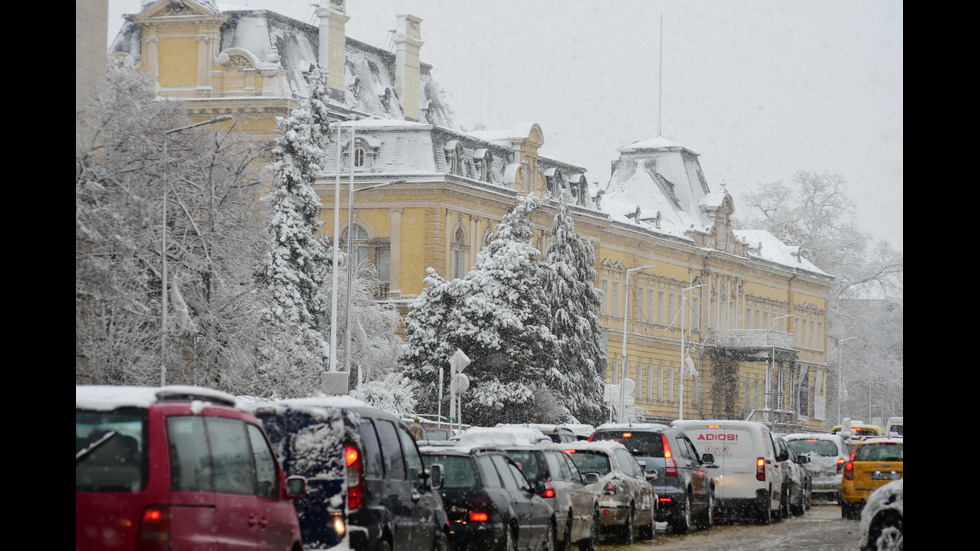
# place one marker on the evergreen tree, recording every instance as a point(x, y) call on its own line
point(298, 261)
point(574, 303)
point(499, 317)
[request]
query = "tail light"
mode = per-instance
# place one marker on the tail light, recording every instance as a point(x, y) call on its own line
point(548, 491)
point(669, 462)
point(355, 478)
point(760, 469)
point(480, 509)
point(154, 532)
point(613, 487)
point(591, 436)
point(840, 465)
point(849, 471)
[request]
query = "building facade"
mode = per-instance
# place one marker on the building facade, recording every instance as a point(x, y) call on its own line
point(745, 312)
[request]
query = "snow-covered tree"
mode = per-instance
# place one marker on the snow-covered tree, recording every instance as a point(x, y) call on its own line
point(574, 302)
point(296, 266)
point(815, 213)
point(499, 317)
point(212, 236)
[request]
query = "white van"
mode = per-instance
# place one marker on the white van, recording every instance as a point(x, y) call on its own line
point(895, 427)
point(745, 468)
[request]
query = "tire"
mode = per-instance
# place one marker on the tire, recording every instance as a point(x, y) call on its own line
point(798, 510)
point(510, 541)
point(626, 534)
point(383, 545)
point(649, 531)
point(706, 519)
point(549, 541)
point(682, 519)
point(592, 543)
point(887, 536)
point(765, 512)
point(566, 541)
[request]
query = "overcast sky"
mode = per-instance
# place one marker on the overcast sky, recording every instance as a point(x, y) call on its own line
point(760, 88)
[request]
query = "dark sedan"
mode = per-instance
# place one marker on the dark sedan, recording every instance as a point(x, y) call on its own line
point(491, 505)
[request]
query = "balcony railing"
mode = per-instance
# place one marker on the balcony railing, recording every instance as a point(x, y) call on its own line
point(749, 338)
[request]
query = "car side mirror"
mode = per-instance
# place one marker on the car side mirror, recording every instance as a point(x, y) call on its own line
point(539, 488)
point(295, 487)
point(652, 475)
point(708, 458)
point(590, 478)
point(803, 459)
point(435, 476)
point(643, 465)
point(783, 456)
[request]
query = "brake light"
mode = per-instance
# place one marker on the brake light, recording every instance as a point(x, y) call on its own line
point(355, 478)
point(849, 471)
point(154, 532)
point(549, 490)
point(840, 465)
point(480, 508)
point(714, 426)
point(669, 463)
point(760, 469)
point(569, 451)
point(627, 435)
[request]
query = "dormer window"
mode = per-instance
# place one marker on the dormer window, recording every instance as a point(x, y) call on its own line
point(365, 152)
point(483, 162)
point(454, 157)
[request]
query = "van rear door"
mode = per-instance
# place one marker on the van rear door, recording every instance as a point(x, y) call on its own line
point(736, 453)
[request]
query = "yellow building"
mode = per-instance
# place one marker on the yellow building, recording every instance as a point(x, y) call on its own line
point(749, 312)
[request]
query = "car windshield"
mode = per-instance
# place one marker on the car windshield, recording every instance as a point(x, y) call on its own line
point(529, 463)
point(879, 452)
point(591, 461)
point(457, 470)
point(644, 444)
point(825, 448)
point(110, 450)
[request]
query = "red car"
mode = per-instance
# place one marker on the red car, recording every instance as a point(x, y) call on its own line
point(176, 468)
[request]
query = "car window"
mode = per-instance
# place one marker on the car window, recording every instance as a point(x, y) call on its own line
point(412, 458)
point(692, 451)
point(490, 476)
point(573, 470)
point(642, 443)
point(110, 451)
point(527, 462)
point(521, 480)
point(589, 461)
point(231, 454)
point(626, 461)
point(457, 470)
point(371, 458)
point(879, 452)
point(558, 466)
point(825, 448)
point(267, 477)
point(506, 476)
point(392, 449)
point(190, 460)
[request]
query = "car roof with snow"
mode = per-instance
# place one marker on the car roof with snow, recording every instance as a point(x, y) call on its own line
point(605, 446)
point(110, 397)
point(506, 436)
point(632, 426)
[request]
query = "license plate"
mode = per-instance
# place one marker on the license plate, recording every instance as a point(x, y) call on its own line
point(890, 475)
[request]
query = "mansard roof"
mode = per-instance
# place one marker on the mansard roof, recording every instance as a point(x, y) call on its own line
point(279, 42)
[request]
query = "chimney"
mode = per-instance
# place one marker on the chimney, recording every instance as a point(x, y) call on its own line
point(408, 42)
point(333, 40)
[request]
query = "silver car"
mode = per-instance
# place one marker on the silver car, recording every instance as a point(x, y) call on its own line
point(627, 501)
point(828, 454)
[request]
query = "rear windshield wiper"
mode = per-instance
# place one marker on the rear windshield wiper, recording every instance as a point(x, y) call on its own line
point(80, 454)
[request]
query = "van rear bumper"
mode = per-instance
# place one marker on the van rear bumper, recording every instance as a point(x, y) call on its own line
point(743, 506)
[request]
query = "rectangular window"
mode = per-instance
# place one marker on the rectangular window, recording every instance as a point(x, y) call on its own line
point(660, 383)
point(639, 304)
point(231, 453)
point(615, 299)
point(605, 297)
point(384, 264)
point(661, 318)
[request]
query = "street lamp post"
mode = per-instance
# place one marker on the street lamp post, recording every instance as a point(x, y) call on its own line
point(163, 244)
point(626, 316)
point(680, 407)
point(840, 381)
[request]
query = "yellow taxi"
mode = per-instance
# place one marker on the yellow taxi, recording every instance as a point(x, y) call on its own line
point(874, 463)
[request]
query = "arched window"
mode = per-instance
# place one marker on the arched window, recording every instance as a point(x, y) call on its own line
point(375, 251)
point(460, 250)
point(359, 157)
point(360, 250)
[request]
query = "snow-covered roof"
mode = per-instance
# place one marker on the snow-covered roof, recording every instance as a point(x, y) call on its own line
point(275, 41)
point(502, 436)
point(110, 397)
point(631, 426)
point(766, 246)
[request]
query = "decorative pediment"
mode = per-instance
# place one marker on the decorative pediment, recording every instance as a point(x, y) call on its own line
point(178, 8)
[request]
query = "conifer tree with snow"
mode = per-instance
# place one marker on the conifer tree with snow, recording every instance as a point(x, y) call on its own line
point(298, 262)
point(574, 303)
point(498, 316)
